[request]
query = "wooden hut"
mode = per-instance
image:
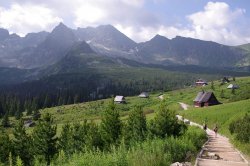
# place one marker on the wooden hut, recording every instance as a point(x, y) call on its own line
point(144, 95)
point(201, 82)
point(205, 99)
point(119, 99)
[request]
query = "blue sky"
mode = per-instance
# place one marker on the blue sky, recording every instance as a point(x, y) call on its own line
point(225, 22)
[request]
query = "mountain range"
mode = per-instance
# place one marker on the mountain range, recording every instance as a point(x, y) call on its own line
point(96, 49)
point(43, 49)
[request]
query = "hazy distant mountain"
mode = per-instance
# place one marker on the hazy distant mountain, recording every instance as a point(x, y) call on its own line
point(188, 51)
point(13, 46)
point(44, 49)
point(3, 34)
point(81, 58)
point(245, 62)
point(106, 39)
point(34, 39)
point(51, 50)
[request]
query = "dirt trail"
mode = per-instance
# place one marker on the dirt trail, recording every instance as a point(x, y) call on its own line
point(218, 151)
point(183, 105)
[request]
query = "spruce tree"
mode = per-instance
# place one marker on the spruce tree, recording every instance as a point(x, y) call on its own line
point(44, 138)
point(5, 146)
point(5, 120)
point(111, 125)
point(76, 99)
point(22, 144)
point(1, 109)
point(18, 113)
point(65, 142)
point(69, 101)
point(79, 136)
point(46, 102)
point(136, 128)
point(212, 85)
point(165, 123)
point(19, 161)
point(34, 105)
point(93, 139)
point(28, 107)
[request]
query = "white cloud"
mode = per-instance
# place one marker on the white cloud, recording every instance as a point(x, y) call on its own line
point(215, 15)
point(23, 19)
point(88, 14)
point(217, 21)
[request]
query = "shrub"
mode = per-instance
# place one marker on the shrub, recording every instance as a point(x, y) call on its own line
point(241, 129)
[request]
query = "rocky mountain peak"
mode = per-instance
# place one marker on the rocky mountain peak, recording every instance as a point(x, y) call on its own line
point(3, 34)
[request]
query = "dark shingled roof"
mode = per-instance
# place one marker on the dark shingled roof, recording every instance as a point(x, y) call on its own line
point(203, 97)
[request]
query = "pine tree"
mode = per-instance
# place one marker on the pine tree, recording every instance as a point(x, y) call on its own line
point(79, 136)
point(76, 99)
point(18, 113)
point(46, 102)
point(165, 123)
point(5, 120)
point(28, 107)
point(22, 144)
point(212, 85)
point(65, 142)
point(44, 137)
point(60, 101)
point(5, 146)
point(34, 105)
point(69, 101)
point(1, 109)
point(136, 128)
point(10, 159)
point(93, 139)
point(19, 161)
point(111, 125)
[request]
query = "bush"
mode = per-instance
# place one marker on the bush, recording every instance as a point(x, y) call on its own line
point(241, 129)
point(149, 152)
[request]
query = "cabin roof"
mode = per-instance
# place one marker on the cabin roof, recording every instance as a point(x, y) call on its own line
point(232, 86)
point(119, 98)
point(203, 96)
point(144, 94)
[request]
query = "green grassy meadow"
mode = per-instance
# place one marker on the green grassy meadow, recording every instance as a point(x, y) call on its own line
point(234, 106)
point(93, 110)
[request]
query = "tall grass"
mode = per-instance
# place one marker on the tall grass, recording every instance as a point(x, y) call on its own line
point(152, 152)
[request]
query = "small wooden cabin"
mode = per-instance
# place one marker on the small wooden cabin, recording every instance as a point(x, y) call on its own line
point(232, 86)
point(205, 99)
point(119, 99)
point(144, 95)
point(201, 82)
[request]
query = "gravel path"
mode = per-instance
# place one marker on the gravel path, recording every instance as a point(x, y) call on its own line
point(183, 105)
point(218, 151)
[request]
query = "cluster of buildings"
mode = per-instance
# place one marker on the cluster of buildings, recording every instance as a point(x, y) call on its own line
point(202, 99)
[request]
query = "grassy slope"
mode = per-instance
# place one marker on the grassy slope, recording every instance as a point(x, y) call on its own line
point(221, 114)
point(92, 110)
